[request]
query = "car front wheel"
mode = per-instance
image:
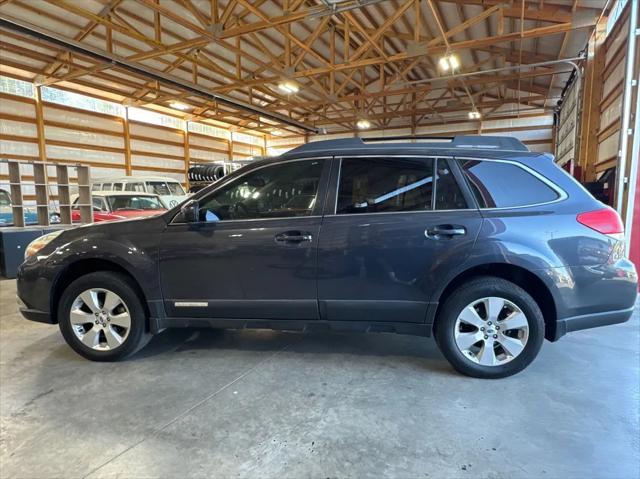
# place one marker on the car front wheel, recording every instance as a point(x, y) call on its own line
point(102, 317)
point(490, 328)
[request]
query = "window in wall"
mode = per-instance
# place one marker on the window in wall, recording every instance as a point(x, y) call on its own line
point(83, 102)
point(250, 139)
point(498, 184)
point(16, 87)
point(277, 191)
point(385, 185)
point(148, 116)
point(210, 130)
point(614, 15)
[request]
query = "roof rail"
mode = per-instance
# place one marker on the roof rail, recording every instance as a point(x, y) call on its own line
point(442, 142)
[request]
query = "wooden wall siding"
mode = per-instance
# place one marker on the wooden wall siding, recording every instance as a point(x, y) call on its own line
point(109, 144)
point(534, 131)
point(610, 101)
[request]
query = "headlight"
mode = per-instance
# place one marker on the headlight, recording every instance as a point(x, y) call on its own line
point(39, 243)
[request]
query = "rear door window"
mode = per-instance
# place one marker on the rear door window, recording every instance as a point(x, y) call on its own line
point(379, 185)
point(498, 184)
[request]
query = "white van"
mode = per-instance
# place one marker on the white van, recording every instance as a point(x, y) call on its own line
point(169, 190)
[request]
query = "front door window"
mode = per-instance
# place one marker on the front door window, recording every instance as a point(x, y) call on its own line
point(278, 191)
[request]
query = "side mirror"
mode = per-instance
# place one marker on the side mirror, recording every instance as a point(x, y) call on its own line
point(191, 211)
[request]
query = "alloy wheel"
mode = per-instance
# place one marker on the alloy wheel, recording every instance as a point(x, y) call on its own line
point(100, 319)
point(491, 331)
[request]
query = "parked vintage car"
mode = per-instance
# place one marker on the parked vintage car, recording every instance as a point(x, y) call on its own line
point(30, 215)
point(169, 190)
point(112, 205)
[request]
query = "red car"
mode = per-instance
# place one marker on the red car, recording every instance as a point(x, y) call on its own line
point(120, 205)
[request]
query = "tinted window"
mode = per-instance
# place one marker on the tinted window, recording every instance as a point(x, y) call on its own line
point(96, 187)
point(117, 187)
point(502, 185)
point(106, 186)
point(277, 191)
point(448, 192)
point(382, 185)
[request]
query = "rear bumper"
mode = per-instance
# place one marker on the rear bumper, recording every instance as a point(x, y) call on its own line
point(587, 321)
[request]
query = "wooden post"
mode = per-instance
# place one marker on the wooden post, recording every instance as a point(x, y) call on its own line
point(42, 149)
point(185, 147)
point(127, 142)
point(592, 93)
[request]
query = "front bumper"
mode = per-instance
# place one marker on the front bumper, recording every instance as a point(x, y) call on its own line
point(594, 320)
point(33, 314)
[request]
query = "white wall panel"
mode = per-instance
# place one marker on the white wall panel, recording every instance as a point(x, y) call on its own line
point(80, 118)
point(148, 146)
point(11, 107)
point(82, 155)
point(8, 148)
point(155, 132)
point(83, 137)
point(141, 160)
point(9, 127)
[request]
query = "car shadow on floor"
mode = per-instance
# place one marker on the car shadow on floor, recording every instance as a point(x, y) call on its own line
point(177, 341)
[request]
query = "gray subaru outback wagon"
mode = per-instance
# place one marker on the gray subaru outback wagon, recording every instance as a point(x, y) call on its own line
point(488, 246)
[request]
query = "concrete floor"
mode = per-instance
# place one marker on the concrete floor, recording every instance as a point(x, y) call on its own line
point(206, 403)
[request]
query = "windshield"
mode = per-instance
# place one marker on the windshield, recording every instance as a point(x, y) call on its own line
point(176, 188)
point(158, 187)
point(5, 200)
point(134, 202)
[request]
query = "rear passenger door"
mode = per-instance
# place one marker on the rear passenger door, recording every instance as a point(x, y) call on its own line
point(392, 227)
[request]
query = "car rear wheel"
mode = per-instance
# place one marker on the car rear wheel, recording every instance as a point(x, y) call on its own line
point(490, 328)
point(102, 317)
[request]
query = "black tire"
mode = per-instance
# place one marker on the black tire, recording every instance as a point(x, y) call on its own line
point(466, 294)
point(124, 287)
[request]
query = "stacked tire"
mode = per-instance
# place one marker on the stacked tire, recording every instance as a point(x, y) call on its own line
point(206, 172)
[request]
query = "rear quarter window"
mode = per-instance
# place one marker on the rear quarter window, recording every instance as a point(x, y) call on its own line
point(497, 184)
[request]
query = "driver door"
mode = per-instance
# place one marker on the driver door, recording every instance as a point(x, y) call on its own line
point(253, 252)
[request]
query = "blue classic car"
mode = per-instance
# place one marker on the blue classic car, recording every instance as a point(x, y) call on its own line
point(30, 216)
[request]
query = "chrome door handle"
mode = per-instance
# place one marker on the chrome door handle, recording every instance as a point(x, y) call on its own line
point(293, 237)
point(445, 230)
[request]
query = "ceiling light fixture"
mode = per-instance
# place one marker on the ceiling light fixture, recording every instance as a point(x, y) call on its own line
point(289, 87)
point(363, 124)
point(178, 106)
point(449, 62)
point(474, 115)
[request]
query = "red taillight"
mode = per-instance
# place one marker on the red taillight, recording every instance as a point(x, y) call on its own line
point(605, 221)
